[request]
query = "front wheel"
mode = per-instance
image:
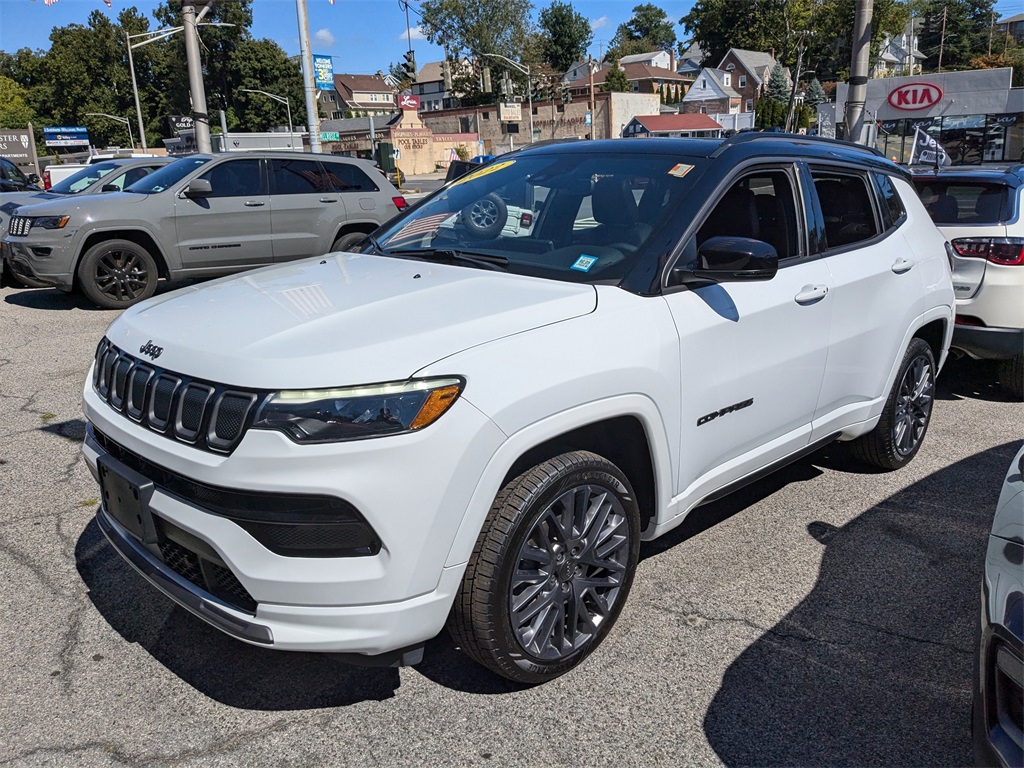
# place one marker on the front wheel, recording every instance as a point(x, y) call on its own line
point(897, 437)
point(117, 273)
point(1011, 376)
point(551, 569)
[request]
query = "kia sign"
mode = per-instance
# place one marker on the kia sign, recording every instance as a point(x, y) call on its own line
point(16, 146)
point(915, 96)
point(66, 136)
point(323, 72)
point(409, 102)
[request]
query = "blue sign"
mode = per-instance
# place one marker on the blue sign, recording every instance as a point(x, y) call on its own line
point(589, 120)
point(323, 72)
point(66, 136)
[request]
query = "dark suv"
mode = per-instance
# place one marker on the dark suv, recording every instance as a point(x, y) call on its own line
point(13, 180)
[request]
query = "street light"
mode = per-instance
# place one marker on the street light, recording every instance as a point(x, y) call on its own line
point(284, 100)
point(125, 120)
point(529, 86)
point(154, 36)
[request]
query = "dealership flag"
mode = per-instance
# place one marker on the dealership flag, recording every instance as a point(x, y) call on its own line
point(928, 151)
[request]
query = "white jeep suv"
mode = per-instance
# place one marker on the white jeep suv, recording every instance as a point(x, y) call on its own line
point(478, 428)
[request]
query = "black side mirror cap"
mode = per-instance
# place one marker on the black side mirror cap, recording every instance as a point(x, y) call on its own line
point(33, 178)
point(198, 188)
point(731, 259)
point(110, 188)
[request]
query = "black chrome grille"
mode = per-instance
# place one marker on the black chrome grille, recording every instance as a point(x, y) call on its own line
point(210, 416)
point(19, 226)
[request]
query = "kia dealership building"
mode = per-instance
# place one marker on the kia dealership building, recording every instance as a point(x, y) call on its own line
point(975, 115)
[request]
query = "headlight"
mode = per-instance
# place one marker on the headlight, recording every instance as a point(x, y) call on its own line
point(51, 222)
point(351, 413)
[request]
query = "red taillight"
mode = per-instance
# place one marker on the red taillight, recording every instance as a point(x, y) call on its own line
point(46, 179)
point(1008, 251)
point(526, 220)
point(399, 202)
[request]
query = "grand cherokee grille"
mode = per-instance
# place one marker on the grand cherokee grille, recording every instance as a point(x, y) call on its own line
point(19, 225)
point(210, 416)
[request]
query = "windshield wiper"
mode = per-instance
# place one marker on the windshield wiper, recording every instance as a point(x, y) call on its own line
point(482, 260)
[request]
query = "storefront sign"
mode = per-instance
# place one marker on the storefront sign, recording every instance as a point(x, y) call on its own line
point(323, 73)
point(510, 112)
point(915, 96)
point(181, 123)
point(408, 102)
point(66, 136)
point(16, 146)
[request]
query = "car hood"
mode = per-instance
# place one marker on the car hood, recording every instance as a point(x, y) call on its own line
point(340, 319)
point(106, 205)
point(11, 201)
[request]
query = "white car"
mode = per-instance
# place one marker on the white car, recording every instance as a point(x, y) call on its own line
point(478, 429)
point(979, 210)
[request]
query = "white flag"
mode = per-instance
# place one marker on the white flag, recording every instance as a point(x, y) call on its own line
point(928, 151)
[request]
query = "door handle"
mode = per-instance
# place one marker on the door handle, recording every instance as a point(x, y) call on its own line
point(811, 294)
point(328, 199)
point(254, 203)
point(902, 265)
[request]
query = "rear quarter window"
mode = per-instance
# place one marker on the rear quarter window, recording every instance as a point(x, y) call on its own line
point(964, 202)
point(346, 177)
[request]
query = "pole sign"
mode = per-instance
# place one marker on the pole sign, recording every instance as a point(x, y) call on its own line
point(323, 73)
point(16, 146)
point(510, 112)
point(66, 136)
point(330, 136)
point(181, 123)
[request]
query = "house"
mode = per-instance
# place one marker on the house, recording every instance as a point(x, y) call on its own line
point(712, 93)
point(691, 60)
point(899, 55)
point(358, 94)
point(695, 126)
point(1011, 27)
point(660, 59)
point(580, 71)
point(642, 77)
point(429, 85)
point(748, 73)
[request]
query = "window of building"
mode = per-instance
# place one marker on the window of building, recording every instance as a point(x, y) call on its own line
point(703, 109)
point(727, 80)
point(742, 81)
point(750, 105)
point(704, 83)
point(487, 115)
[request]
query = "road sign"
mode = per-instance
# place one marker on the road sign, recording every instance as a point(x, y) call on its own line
point(536, 131)
point(66, 136)
point(330, 136)
point(323, 73)
point(510, 112)
point(589, 119)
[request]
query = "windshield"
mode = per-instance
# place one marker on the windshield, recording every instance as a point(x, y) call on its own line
point(167, 176)
point(76, 182)
point(568, 216)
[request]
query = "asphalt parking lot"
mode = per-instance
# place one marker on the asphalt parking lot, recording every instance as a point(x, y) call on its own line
point(825, 616)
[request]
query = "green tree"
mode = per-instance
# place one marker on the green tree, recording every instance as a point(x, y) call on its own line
point(616, 80)
point(565, 35)
point(474, 27)
point(14, 109)
point(649, 29)
point(815, 94)
point(967, 26)
point(778, 87)
point(264, 65)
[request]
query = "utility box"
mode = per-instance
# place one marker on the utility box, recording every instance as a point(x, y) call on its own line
point(386, 156)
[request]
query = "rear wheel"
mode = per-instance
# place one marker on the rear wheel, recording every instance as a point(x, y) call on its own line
point(908, 410)
point(551, 569)
point(117, 273)
point(1011, 376)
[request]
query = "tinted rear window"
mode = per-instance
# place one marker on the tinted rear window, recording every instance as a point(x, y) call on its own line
point(951, 201)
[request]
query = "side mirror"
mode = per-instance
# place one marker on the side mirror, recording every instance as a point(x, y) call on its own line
point(732, 259)
point(198, 188)
point(33, 178)
point(110, 188)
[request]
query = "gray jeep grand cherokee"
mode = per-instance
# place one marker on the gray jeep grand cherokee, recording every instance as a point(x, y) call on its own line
point(201, 216)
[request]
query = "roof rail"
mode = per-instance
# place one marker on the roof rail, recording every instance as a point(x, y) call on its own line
point(797, 138)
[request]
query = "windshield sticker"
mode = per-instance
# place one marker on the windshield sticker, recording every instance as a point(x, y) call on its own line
point(680, 170)
point(484, 172)
point(584, 263)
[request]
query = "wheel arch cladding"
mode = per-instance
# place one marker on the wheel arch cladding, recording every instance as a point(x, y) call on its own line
point(137, 236)
point(932, 334)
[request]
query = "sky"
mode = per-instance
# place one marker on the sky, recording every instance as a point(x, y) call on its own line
point(363, 36)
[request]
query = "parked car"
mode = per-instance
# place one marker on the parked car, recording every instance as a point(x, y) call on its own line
point(201, 216)
point(978, 209)
point(55, 173)
point(998, 711)
point(13, 180)
point(108, 176)
point(477, 427)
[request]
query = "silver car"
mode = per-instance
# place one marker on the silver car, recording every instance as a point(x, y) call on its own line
point(106, 176)
point(201, 216)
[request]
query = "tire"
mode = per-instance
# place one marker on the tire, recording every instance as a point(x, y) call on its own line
point(530, 571)
point(897, 437)
point(1011, 376)
point(117, 273)
point(20, 276)
point(485, 217)
point(345, 242)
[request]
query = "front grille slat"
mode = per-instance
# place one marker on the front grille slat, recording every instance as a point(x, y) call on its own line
point(211, 417)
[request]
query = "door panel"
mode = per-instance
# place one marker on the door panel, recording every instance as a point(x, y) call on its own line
point(229, 229)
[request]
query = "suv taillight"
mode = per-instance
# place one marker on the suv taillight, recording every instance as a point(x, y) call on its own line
point(46, 180)
point(1008, 251)
point(400, 202)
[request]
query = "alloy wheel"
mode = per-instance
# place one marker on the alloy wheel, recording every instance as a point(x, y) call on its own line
point(121, 275)
point(913, 406)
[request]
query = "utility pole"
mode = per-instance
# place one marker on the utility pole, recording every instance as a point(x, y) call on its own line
point(796, 79)
point(991, 30)
point(312, 116)
point(593, 108)
point(942, 37)
point(857, 96)
point(200, 117)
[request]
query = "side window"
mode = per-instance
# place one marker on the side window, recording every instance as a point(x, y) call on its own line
point(845, 206)
point(235, 178)
point(346, 177)
point(297, 177)
point(132, 175)
point(760, 206)
point(893, 211)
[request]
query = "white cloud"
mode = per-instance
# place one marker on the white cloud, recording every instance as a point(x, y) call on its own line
point(324, 37)
point(596, 24)
point(417, 34)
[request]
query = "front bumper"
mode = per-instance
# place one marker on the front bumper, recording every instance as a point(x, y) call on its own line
point(46, 256)
point(984, 343)
point(407, 488)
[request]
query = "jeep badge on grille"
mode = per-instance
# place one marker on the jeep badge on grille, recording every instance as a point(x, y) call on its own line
point(149, 348)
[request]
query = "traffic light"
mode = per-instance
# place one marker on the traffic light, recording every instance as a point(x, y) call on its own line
point(566, 96)
point(409, 66)
point(487, 80)
point(506, 86)
point(446, 73)
point(537, 90)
